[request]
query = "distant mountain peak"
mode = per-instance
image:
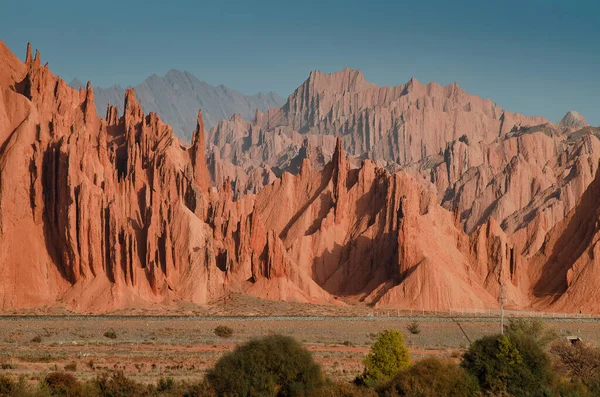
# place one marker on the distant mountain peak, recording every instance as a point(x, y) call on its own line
point(573, 119)
point(75, 83)
point(177, 96)
point(345, 80)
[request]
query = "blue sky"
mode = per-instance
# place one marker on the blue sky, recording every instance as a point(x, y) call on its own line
point(534, 57)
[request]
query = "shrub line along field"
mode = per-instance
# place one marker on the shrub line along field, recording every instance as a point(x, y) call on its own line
point(184, 347)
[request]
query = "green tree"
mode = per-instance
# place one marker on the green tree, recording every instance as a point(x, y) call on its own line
point(274, 366)
point(388, 356)
point(514, 364)
point(431, 377)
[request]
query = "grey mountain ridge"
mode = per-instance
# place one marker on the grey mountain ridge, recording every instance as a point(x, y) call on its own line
point(177, 96)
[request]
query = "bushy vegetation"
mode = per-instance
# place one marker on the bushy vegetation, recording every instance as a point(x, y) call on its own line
point(578, 365)
point(514, 365)
point(62, 384)
point(387, 357)
point(114, 384)
point(431, 377)
point(414, 328)
point(342, 389)
point(526, 361)
point(110, 334)
point(223, 331)
point(532, 328)
point(274, 366)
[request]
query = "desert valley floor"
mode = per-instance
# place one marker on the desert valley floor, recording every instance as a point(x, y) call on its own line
point(183, 344)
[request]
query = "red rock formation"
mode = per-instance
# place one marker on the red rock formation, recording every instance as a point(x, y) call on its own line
point(103, 214)
point(566, 268)
point(485, 162)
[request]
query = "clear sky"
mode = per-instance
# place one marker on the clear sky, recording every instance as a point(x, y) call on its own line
point(538, 57)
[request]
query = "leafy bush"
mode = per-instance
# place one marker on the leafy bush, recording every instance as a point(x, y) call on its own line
point(36, 339)
point(566, 388)
point(274, 366)
point(414, 328)
point(514, 364)
point(63, 384)
point(532, 328)
point(110, 334)
point(432, 377)
point(338, 389)
point(223, 331)
point(388, 356)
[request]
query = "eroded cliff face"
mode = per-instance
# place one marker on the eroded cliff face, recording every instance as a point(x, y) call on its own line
point(485, 162)
point(100, 214)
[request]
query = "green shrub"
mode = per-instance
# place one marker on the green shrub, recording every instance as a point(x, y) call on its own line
point(432, 377)
point(532, 328)
point(388, 356)
point(514, 364)
point(414, 328)
point(274, 366)
point(340, 389)
point(110, 334)
point(63, 384)
point(223, 331)
point(566, 388)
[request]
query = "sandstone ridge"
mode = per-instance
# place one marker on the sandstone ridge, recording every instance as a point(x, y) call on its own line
point(100, 214)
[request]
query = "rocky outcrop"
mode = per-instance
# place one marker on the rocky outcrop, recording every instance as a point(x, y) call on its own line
point(525, 172)
point(566, 268)
point(573, 120)
point(99, 214)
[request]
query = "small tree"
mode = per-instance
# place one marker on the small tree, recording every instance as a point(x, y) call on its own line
point(512, 364)
point(274, 366)
point(579, 362)
point(388, 356)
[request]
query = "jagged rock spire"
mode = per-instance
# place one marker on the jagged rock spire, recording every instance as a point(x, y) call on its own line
point(340, 174)
point(28, 58)
point(201, 176)
point(90, 106)
point(37, 60)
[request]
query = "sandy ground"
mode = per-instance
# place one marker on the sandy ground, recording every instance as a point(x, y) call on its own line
point(147, 348)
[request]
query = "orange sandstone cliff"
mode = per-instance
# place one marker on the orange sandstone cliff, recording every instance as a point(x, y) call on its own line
point(100, 214)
